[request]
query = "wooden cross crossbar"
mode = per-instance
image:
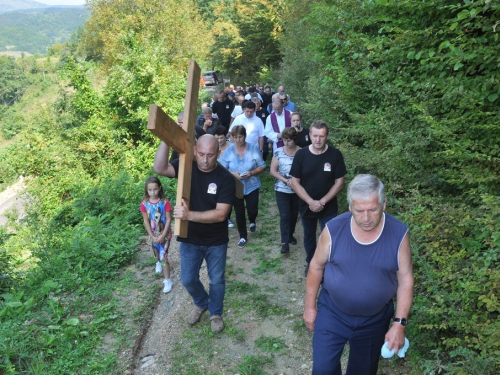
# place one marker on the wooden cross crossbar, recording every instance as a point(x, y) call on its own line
point(182, 141)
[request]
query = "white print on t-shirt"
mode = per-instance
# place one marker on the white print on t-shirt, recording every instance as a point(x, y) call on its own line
point(327, 168)
point(227, 106)
point(307, 138)
point(212, 188)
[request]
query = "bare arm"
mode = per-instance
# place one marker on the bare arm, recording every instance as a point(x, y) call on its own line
point(314, 206)
point(211, 216)
point(396, 334)
point(253, 172)
point(314, 276)
point(274, 172)
point(335, 189)
point(168, 217)
point(147, 225)
point(161, 164)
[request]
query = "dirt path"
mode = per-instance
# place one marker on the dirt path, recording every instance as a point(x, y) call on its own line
point(264, 332)
point(262, 312)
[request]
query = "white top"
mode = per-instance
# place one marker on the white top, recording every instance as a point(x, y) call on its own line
point(254, 127)
point(236, 111)
point(269, 131)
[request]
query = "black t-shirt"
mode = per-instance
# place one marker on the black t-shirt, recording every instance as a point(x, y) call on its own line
point(262, 114)
point(266, 99)
point(223, 111)
point(317, 174)
point(208, 189)
point(304, 139)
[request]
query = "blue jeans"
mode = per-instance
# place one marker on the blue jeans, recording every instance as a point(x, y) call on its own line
point(310, 226)
point(191, 260)
point(333, 329)
point(288, 206)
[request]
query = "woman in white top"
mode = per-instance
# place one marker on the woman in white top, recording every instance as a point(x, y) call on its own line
point(287, 200)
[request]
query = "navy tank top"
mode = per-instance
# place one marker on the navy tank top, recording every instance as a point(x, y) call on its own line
point(361, 278)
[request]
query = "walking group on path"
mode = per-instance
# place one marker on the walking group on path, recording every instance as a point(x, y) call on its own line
point(361, 262)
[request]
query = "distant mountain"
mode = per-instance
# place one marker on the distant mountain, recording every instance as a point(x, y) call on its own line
point(33, 30)
point(10, 5)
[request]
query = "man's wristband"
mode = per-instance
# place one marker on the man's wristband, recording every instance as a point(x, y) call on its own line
point(401, 321)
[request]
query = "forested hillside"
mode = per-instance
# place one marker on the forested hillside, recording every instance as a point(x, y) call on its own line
point(410, 91)
point(34, 30)
point(12, 5)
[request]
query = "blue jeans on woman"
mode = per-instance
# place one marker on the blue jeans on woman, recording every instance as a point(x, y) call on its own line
point(288, 206)
point(191, 260)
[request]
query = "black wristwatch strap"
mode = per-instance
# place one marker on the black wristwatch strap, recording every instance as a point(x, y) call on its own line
point(401, 321)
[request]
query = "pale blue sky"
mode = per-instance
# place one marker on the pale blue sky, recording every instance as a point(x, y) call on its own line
point(62, 2)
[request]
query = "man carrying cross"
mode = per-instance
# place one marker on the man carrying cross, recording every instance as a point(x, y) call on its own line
point(211, 197)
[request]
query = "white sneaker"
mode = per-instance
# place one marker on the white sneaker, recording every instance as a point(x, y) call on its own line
point(167, 285)
point(230, 224)
point(158, 267)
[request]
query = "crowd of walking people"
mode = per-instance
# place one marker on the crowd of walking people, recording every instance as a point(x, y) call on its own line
point(361, 261)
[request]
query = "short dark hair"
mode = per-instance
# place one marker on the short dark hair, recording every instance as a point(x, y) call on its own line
point(248, 104)
point(220, 130)
point(239, 130)
point(319, 124)
point(290, 133)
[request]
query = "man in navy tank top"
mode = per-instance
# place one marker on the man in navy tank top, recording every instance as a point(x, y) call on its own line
point(365, 258)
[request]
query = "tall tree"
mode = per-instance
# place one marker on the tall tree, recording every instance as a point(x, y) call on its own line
point(246, 36)
point(177, 24)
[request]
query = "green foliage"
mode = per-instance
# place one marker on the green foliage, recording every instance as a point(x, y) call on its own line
point(457, 282)
point(270, 344)
point(246, 37)
point(87, 158)
point(13, 81)
point(7, 264)
point(143, 75)
point(35, 30)
point(176, 25)
point(410, 90)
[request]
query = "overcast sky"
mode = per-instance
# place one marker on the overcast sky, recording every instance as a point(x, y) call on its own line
point(62, 2)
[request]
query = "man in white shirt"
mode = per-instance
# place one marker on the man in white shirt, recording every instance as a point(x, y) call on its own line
point(253, 125)
point(276, 122)
point(238, 108)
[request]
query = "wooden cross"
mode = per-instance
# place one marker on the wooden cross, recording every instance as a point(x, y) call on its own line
point(182, 141)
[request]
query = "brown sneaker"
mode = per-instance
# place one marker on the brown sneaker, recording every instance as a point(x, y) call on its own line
point(216, 323)
point(195, 316)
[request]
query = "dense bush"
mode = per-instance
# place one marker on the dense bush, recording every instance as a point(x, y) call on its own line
point(88, 167)
point(411, 93)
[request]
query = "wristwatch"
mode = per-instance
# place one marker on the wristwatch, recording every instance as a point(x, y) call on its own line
point(401, 321)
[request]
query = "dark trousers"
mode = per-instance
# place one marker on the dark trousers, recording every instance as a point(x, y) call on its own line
point(288, 206)
point(310, 226)
point(252, 207)
point(333, 329)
